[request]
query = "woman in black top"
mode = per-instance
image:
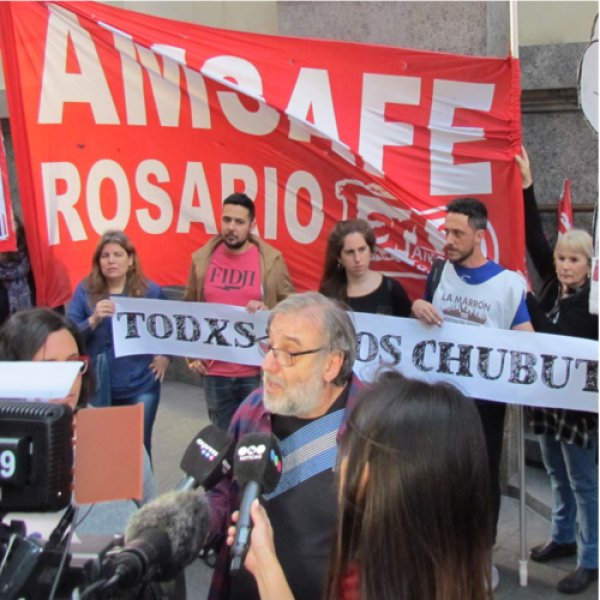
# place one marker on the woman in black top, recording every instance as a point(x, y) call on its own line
point(568, 438)
point(347, 276)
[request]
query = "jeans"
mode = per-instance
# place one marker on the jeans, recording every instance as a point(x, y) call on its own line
point(574, 476)
point(149, 399)
point(224, 395)
point(492, 419)
point(101, 392)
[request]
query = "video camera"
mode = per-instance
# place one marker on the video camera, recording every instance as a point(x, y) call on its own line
point(36, 466)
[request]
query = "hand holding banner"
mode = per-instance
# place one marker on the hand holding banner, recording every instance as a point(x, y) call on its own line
point(518, 367)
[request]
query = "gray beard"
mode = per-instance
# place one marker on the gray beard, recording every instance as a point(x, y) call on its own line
point(298, 400)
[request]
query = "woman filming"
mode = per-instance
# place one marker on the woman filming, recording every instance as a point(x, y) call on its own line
point(414, 519)
point(347, 276)
point(40, 334)
point(568, 438)
point(116, 271)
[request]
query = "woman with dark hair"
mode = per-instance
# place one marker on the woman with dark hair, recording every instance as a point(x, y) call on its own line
point(568, 438)
point(116, 271)
point(40, 334)
point(414, 519)
point(17, 290)
point(347, 276)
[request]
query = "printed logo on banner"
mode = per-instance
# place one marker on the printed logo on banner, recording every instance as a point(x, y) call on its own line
point(403, 235)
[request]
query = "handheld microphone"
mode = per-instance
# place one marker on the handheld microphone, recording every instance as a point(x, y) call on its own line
point(257, 467)
point(161, 538)
point(207, 459)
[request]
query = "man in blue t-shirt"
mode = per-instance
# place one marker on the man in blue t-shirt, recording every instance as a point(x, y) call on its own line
point(473, 290)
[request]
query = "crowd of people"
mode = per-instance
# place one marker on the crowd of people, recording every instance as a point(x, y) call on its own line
point(397, 472)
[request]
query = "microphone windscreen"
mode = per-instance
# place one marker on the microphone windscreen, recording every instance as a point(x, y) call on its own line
point(184, 516)
point(209, 456)
point(258, 458)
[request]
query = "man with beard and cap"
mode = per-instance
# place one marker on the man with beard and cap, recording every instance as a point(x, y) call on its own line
point(470, 289)
point(239, 269)
point(307, 395)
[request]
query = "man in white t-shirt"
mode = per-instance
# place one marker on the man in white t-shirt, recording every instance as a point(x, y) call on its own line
point(473, 290)
point(239, 269)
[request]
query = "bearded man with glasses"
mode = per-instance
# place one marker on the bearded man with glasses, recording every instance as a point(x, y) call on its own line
point(307, 395)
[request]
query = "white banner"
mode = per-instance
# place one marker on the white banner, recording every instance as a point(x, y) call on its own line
point(533, 369)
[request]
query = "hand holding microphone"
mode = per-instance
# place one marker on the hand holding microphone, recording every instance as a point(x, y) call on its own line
point(257, 467)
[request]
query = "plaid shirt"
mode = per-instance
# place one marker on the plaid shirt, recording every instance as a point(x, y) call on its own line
point(570, 426)
point(224, 499)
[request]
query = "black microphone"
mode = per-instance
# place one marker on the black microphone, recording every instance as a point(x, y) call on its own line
point(257, 466)
point(161, 539)
point(207, 459)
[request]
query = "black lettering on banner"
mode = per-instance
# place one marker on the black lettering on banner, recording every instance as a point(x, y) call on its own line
point(520, 372)
point(483, 364)
point(393, 351)
point(591, 374)
point(373, 346)
point(132, 330)
point(181, 329)
point(418, 356)
point(244, 329)
point(548, 371)
point(167, 326)
point(463, 359)
point(216, 327)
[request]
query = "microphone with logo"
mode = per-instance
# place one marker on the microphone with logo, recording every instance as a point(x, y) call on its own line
point(207, 459)
point(257, 468)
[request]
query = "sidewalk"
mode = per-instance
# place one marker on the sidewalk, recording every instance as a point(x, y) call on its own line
point(182, 414)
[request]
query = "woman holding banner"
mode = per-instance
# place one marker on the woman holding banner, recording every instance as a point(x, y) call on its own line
point(116, 271)
point(414, 513)
point(568, 438)
point(347, 276)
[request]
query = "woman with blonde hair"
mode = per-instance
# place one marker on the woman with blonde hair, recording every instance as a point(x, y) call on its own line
point(116, 271)
point(568, 438)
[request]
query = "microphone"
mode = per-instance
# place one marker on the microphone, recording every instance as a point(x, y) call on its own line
point(161, 538)
point(257, 466)
point(207, 459)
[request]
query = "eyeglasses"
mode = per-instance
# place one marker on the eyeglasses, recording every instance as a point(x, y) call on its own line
point(84, 359)
point(282, 357)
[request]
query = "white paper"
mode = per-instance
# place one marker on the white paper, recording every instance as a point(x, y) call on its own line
point(39, 380)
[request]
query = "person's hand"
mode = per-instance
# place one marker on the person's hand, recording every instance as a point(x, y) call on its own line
point(255, 305)
point(261, 552)
point(426, 313)
point(523, 162)
point(159, 367)
point(104, 308)
point(198, 366)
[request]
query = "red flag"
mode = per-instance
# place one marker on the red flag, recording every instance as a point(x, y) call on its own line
point(565, 212)
point(128, 121)
point(8, 238)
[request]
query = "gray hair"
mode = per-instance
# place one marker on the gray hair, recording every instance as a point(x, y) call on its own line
point(330, 317)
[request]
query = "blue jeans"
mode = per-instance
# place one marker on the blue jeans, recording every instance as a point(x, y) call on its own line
point(149, 399)
point(574, 476)
point(224, 395)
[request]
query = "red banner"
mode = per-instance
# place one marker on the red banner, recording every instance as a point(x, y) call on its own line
point(565, 212)
point(8, 238)
point(128, 121)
